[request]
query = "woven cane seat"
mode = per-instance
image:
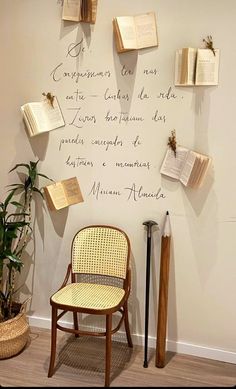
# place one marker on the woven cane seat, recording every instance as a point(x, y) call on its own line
point(89, 296)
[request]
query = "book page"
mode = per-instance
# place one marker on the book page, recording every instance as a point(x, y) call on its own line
point(127, 31)
point(204, 170)
point(72, 191)
point(172, 165)
point(56, 194)
point(32, 120)
point(185, 65)
point(199, 172)
point(93, 11)
point(196, 171)
point(118, 39)
point(54, 115)
point(84, 10)
point(89, 11)
point(146, 30)
point(27, 122)
point(207, 68)
point(189, 57)
point(36, 117)
point(71, 10)
point(187, 168)
point(178, 61)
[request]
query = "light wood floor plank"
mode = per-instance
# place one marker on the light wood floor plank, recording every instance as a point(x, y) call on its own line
point(80, 363)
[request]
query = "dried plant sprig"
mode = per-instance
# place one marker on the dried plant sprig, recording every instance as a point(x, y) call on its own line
point(209, 43)
point(172, 142)
point(50, 98)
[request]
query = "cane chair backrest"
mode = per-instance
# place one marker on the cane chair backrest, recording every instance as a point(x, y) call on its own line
point(100, 250)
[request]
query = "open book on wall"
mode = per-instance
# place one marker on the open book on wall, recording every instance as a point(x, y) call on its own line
point(135, 32)
point(80, 10)
point(63, 193)
point(42, 116)
point(187, 166)
point(196, 66)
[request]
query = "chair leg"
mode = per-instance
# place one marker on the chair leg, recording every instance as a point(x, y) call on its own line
point(53, 341)
point(108, 349)
point(76, 326)
point(127, 329)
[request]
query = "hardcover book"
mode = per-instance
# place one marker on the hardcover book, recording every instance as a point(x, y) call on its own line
point(187, 166)
point(135, 32)
point(63, 193)
point(80, 10)
point(42, 116)
point(196, 67)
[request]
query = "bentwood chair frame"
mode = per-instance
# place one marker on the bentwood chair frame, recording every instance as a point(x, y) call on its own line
point(101, 250)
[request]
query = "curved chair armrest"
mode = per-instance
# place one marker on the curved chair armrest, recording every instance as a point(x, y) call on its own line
point(66, 276)
point(127, 281)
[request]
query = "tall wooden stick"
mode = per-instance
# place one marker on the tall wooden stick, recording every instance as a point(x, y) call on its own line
point(163, 294)
point(149, 225)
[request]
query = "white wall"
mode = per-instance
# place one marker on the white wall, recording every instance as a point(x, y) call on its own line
point(34, 41)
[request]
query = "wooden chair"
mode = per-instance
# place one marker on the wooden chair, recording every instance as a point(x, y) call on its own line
point(96, 250)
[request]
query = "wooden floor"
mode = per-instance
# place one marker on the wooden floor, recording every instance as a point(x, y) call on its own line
point(80, 363)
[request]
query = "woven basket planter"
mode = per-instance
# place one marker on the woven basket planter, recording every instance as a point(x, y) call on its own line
point(14, 334)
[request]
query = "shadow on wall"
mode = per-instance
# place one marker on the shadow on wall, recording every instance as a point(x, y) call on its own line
point(38, 143)
point(125, 70)
point(59, 220)
point(204, 232)
point(198, 197)
point(133, 303)
point(25, 280)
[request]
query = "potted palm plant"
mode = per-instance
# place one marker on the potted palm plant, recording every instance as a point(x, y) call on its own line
point(15, 233)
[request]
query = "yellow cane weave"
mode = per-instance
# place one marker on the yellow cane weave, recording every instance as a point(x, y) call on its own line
point(91, 296)
point(100, 250)
point(14, 334)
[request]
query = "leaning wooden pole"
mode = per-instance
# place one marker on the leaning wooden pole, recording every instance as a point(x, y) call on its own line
point(163, 294)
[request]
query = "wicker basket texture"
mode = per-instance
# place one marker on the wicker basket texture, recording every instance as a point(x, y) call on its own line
point(14, 334)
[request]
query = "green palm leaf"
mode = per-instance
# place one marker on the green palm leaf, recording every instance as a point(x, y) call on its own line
point(18, 165)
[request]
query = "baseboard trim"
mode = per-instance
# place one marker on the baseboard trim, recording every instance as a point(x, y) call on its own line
point(202, 351)
point(178, 347)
